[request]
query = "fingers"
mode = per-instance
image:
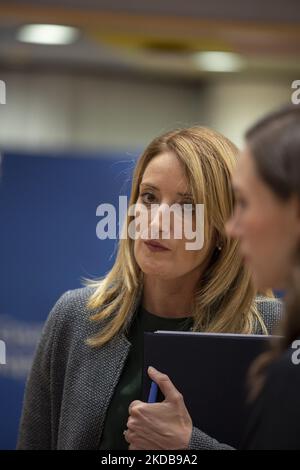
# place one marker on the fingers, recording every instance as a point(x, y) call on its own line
point(130, 438)
point(126, 436)
point(136, 404)
point(168, 389)
point(131, 423)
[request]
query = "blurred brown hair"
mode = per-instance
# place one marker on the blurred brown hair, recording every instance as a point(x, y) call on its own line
point(274, 143)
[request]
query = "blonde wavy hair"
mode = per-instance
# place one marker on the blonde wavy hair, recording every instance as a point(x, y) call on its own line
point(224, 300)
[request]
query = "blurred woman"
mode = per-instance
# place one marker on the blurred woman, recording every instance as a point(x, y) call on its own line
point(266, 221)
point(86, 373)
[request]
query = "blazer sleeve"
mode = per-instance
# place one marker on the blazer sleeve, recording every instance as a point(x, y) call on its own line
point(36, 425)
point(201, 441)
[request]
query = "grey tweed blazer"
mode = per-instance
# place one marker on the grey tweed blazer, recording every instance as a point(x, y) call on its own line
point(71, 384)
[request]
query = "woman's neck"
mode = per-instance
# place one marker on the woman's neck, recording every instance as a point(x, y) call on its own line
point(169, 298)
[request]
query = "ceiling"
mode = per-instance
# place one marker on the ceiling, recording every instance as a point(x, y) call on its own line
point(157, 37)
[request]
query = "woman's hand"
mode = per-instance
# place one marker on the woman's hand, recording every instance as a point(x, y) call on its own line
point(166, 425)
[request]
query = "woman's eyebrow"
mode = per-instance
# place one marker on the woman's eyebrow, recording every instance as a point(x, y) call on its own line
point(149, 185)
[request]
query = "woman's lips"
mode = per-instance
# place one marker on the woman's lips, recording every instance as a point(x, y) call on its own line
point(155, 246)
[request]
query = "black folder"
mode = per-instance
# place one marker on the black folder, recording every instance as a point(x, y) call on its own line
point(210, 370)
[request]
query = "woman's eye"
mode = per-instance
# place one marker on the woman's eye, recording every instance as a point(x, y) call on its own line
point(240, 202)
point(148, 198)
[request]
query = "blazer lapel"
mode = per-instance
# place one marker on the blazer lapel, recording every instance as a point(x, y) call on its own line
point(87, 397)
point(91, 378)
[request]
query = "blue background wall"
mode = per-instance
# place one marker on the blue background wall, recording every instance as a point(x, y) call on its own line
point(47, 244)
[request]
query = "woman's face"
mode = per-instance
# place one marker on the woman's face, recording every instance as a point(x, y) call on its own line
point(267, 228)
point(164, 183)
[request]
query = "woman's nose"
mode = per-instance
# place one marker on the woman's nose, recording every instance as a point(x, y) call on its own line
point(155, 222)
point(160, 221)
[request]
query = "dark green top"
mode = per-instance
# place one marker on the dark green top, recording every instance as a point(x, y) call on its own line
point(129, 387)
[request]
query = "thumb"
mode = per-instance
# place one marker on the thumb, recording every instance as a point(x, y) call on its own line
point(166, 386)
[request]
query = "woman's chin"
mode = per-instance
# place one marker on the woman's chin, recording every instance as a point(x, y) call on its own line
point(155, 270)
